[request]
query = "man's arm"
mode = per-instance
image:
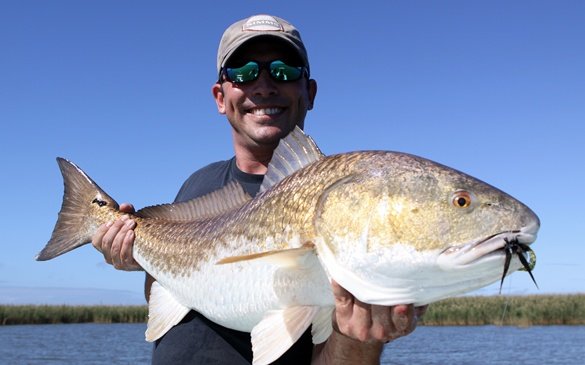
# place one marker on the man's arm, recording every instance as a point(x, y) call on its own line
point(360, 330)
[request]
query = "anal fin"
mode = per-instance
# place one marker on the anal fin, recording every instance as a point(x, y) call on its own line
point(322, 325)
point(163, 312)
point(278, 331)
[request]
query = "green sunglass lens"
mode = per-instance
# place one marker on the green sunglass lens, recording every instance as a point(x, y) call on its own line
point(283, 72)
point(246, 73)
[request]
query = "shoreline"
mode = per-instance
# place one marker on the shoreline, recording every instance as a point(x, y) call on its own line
point(522, 311)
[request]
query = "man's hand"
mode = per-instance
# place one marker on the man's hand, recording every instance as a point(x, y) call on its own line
point(115, 240)
point(360, 330)
point(372, 323)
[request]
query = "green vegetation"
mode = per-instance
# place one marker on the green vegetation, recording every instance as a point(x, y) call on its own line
point(508, 311)
point(462, 311)
point(49, 314)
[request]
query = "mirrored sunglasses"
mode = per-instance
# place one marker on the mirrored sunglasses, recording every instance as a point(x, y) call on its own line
point(277, 69)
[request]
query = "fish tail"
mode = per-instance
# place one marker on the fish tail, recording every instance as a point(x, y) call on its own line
point(78, 218)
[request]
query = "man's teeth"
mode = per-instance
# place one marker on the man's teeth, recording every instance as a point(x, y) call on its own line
point(266, 111)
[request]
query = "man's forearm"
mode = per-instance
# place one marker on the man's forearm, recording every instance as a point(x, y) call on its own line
point(342, 350)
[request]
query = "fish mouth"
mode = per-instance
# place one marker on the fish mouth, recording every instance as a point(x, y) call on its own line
point(505, 244)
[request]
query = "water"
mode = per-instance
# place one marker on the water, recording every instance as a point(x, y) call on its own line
point(124, 344)
point(74, 344)
point(489, 345)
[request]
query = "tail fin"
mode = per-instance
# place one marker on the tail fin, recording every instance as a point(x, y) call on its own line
point(77, 220)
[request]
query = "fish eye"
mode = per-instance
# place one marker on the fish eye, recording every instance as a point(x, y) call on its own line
point(462, 199)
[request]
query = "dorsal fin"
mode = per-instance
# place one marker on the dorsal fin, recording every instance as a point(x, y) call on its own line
point(294, 152)
point(228, 198)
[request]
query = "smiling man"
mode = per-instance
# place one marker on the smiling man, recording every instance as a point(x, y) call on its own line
point(264, 89)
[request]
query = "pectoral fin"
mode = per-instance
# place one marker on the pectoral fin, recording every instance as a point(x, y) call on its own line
point(278, 331)
point(293, 257)
point(163, 312)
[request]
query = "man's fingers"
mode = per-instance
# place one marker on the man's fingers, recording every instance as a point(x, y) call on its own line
point(97, 238)
point(375, 323)
point(121, 239)
point(361, 321)
point(108, 240)
point(382, 325)
point(116, 239)
point(353, 318)
point(343, 299)
point(404, 319)
point(339, 292)
point(109, 248)
point(128, 261)
point(126, 252)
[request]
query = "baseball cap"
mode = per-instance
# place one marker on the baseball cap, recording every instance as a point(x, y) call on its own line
point(255, 26)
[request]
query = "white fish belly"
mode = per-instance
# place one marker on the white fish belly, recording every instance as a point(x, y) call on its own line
point(237, 295)
point(402, 275)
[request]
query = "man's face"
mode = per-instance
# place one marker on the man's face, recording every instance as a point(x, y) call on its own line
point(263, 111)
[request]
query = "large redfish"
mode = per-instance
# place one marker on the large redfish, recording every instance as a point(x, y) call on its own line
point(391, 228)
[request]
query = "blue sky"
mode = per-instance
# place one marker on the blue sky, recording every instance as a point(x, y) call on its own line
point(122, 88)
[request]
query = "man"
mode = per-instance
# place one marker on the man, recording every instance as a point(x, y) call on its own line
point(265, 90)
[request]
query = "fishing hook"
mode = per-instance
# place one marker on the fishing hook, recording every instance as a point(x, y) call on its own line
point(514, 247)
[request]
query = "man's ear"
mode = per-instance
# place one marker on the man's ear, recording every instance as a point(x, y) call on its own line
point(312, 92)
point(217, 91)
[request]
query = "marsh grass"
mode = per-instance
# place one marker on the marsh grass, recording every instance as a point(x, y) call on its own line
point(508, 310)
point(50, 314)
point(462, 311)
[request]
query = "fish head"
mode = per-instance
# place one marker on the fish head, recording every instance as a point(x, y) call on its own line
point(416, 231)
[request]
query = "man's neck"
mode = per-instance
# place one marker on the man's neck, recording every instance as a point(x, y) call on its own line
point(251, 167)
point(253, 163)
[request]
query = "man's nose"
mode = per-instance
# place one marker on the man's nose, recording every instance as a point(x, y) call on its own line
point(265, 85)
